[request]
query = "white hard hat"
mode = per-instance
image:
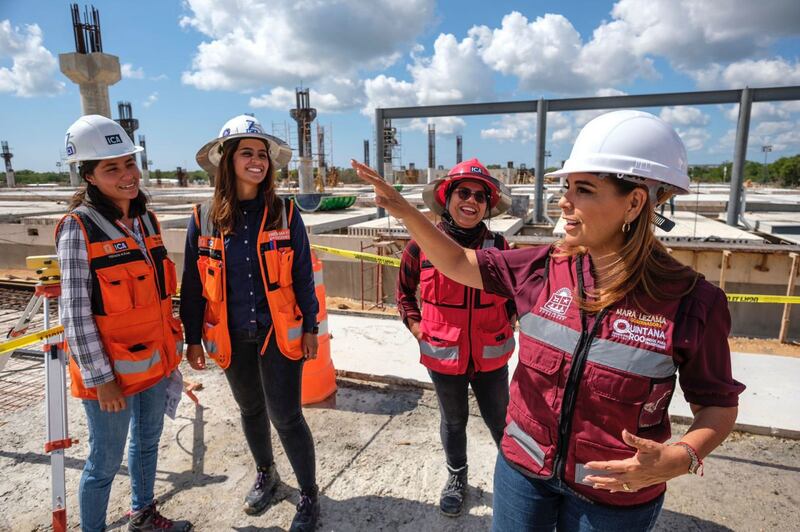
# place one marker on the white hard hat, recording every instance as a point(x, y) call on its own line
point(242, 126)
point(631, 144)
point(95, 137)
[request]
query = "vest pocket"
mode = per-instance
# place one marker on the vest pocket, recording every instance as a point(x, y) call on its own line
point(527, 442)
point(655, 408)
point(115, 289)
point(589, 451)
point(137, 365)
point(144, 287)
point(542, 365)
point(170, 277)
point(497, 344)
point(439, 341)
point(285, 261)
point(211, 277)
point(289, 330)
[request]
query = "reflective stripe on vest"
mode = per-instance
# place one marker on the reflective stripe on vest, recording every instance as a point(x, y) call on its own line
point(210, 345)
point(605, 352)
point(111, 230)
point(581, 471)
point(318, 278)
point(128, 367)
point(295, 332)
point(495, 351)
point(442, 353)
point(527, 443)
point(148, 225)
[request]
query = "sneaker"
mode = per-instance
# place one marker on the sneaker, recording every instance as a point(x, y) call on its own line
point(307, 516)
point(261, 493)
point(451, 502)
point(149, 520)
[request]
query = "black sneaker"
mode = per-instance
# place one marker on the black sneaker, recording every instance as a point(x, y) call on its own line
point(307, 516)
point(263, 489)
point(451, 502)
point(149, 520)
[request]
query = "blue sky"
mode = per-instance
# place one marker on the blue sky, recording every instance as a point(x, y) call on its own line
point(190, 65)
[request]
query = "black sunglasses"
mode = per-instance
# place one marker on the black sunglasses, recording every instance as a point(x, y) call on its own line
point(464, 194)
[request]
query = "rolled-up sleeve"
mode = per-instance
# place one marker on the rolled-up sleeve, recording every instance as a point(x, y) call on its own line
point(511, 273)
point(80, 329)
point(702, 352)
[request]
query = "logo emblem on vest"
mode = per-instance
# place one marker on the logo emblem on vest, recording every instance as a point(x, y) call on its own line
point(558, 304)
point(281, 234)
point(113, 139)
point(120, 246)
point(647, 329)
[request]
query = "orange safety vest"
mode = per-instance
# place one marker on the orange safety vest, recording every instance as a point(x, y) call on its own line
point(276, 257)
point(131, 301)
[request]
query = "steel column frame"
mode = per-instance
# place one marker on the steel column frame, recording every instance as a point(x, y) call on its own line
point(379, 116)
point(739, 158)
point(768, 94)
point(541, 140)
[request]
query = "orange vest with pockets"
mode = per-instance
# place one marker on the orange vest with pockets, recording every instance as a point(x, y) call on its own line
point(276, 257)
point(131, 303)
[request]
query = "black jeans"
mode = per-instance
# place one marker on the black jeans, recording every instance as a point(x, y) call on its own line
point(491, 392)
point(268, 388)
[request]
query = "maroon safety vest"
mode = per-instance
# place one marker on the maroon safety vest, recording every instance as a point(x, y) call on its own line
point(459, 322)
point(578, 383)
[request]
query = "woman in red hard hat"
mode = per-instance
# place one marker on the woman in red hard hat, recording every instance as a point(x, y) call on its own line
point(465, 334)
point(610, 323)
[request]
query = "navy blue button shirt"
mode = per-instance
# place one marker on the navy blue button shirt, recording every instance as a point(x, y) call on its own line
point(247, 300)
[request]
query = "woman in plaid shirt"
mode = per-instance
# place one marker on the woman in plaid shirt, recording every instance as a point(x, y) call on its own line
point(116, 278)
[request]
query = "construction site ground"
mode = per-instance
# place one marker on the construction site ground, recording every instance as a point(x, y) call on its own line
point(380, 466)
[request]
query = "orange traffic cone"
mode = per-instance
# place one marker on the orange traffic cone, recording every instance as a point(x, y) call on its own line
point(319, 377)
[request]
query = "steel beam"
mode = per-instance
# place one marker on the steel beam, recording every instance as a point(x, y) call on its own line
point(739, 158)
point(541, 138)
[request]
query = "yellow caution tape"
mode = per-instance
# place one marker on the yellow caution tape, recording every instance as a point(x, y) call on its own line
point(755, 298)
point(29, 339)
point(360, 255)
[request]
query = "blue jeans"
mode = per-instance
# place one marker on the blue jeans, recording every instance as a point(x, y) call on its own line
point(522, 504)
point(108, 431)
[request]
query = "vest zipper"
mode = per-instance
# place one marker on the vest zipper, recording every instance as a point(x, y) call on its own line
point(579, 356)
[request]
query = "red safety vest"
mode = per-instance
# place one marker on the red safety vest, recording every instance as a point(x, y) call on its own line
point(578, 383)
point(131, 302)
point(276, 258)
point(459, 323)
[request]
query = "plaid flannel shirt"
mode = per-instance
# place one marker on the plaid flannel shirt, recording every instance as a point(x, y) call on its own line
point(75, 303)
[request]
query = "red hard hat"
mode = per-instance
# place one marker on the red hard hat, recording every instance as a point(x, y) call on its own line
point(435, 194)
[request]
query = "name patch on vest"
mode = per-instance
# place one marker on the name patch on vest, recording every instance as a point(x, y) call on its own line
point(281, 234)
point(558, 304)
point(116, 246)
point(639, 327)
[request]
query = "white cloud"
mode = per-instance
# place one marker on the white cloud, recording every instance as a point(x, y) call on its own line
point(684, 116)
point(519, 127)
point(447, 126)
point(128, 72)
point(694, 138)
point(33, 68)
point(749, 72)
point(281, 43)
point(153, 98)
point(343, 94)
point(454, 73)
point(691, 33)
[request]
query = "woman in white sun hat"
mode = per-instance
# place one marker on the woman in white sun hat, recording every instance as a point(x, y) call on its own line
point(607, 320)
point(116, 306)
point(248, 293)
point(465, 335)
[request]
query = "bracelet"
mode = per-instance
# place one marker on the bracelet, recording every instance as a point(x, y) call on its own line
point(696, 465)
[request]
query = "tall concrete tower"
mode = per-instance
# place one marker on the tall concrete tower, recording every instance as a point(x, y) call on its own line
point(7, 155)
point(304, 114)
point(90, 68)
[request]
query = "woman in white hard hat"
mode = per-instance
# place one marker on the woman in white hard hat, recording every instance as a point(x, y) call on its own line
point(465, 335)
point(116, 307)
point(607, 319)
point(248, 293)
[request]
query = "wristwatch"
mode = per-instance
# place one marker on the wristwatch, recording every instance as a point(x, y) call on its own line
point(696, 463)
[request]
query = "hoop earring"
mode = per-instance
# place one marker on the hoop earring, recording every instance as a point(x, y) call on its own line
point(626, 227)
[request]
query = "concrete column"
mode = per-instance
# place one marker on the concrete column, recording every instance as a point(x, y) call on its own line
point(74, 178)
point(739, 155)
point(388, 172)
point(146, 178)
point(11, 180)
point(379, 150)
point(305, 176)
point(541, 136)
point(93, 73)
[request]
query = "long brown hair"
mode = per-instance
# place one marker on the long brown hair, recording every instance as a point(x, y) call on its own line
point(643, 262)
point(91, 196)
point(225, 204)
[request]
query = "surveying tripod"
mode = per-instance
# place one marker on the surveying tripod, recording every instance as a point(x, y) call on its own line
point(47, 291)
